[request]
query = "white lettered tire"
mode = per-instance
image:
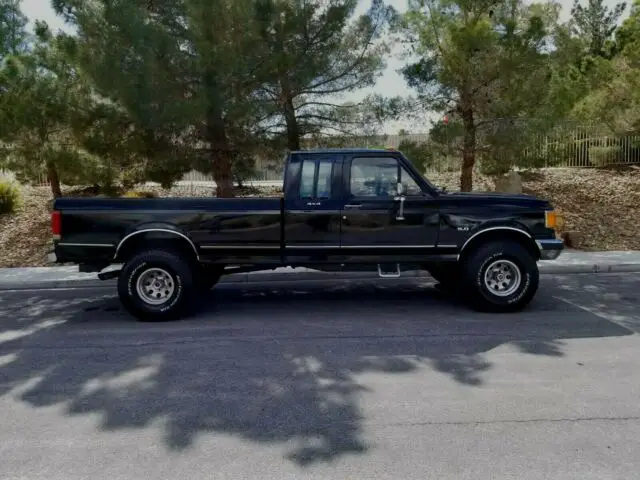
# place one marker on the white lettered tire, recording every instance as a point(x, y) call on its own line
point(501, 277)
point(157, 285)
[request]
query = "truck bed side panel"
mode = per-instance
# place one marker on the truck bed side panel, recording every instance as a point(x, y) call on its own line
point(93, 228)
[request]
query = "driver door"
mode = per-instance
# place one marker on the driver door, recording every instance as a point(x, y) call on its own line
point(378, 224)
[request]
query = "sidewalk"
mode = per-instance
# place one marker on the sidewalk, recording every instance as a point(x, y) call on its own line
point(570, 262)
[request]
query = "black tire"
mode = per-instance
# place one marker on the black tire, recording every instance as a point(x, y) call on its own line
point(180, 286)
point(510, 286)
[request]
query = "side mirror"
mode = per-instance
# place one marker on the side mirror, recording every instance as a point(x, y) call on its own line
point(400, 189)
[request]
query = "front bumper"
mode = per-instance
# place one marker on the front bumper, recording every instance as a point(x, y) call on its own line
point(550, 249)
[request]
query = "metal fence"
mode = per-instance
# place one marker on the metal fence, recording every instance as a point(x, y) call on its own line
point(567, 145)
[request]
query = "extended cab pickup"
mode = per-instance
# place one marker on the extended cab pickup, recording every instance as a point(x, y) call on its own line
point(344, 209)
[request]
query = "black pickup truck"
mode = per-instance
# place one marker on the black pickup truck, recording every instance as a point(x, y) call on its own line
point(344, 209)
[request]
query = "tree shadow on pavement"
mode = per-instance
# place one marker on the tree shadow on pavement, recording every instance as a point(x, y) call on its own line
point(264, 364)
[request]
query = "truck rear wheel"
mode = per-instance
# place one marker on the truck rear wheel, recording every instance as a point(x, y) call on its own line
point(501, 277)
point(157, 285)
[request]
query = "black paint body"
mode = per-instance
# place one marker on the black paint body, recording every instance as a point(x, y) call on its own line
point(334, 231)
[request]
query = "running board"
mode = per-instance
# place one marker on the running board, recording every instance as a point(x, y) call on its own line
point(389, 273)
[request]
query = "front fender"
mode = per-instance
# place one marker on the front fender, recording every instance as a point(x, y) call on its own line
point(496, 228)
point(511, 231)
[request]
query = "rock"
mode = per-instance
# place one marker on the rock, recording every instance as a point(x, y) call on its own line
point(509, 183)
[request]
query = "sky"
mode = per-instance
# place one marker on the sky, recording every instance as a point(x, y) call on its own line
point(390, 83)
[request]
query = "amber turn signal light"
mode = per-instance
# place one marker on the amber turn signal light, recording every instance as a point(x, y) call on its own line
point(552, 219)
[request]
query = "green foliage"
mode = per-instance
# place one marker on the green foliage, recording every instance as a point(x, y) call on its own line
point(186, 73)
point(147, 91)
point(596, 23)
point(10, 195)
point(43, 99)
point(244, 168)
point(316, 51)
point(13, 34)
point(478, 61)
point(613, 96)
point(627, 37)
point(420, 154)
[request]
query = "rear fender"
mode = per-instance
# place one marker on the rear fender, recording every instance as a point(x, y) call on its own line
point(155, 232)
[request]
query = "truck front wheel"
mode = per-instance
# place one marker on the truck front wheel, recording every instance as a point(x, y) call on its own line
point(156, 285)
point(501, 277)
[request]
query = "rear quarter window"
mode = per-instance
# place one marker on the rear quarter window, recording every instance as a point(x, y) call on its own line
point(316, 179)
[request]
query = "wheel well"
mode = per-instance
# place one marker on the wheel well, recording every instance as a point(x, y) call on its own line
point(501, 235)
point(155, 241)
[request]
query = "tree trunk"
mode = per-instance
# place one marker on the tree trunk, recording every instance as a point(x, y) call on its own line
point(222, 165)
point(216, 135)
point(221, 158)
point(468, 146)
point(289, 110)
point(293, 134)
point(466, 172)
point(54, 180)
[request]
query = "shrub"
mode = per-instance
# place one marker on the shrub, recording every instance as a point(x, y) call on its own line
point(420, 154)
point(140, 194)
point(10, 195)
point(244, 169)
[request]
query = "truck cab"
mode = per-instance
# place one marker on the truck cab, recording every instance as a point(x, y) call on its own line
point(364, 206)
point(353, 206)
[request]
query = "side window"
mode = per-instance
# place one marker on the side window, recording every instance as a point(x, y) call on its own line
point(306, 178)
point(374, 177)
point(411, 188)
point(316, 179)
point(323, 186)
point(291, 174)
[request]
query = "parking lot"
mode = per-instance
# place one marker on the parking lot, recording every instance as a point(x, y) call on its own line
point(341, 380)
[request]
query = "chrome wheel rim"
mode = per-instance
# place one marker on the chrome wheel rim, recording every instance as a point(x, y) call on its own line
point(155, 286)
point(502, 278)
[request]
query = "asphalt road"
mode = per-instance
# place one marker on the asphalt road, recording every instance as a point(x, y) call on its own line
point(338, 381)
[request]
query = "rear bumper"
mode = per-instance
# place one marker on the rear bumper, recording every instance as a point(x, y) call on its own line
point(550, 249)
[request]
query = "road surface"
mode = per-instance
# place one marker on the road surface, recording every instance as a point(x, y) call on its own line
point(385, 380)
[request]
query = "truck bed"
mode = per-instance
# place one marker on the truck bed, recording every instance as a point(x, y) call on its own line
point(92, 229)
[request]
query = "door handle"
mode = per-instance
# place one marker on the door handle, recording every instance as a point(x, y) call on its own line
point(353, 205)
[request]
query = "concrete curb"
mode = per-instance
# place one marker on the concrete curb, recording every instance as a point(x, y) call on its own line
point(553, 269)
point(306, 275)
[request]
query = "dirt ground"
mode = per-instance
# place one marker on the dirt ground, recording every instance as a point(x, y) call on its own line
point(600, 205)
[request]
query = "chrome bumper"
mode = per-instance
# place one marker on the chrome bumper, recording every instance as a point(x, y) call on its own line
point(550, 249)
